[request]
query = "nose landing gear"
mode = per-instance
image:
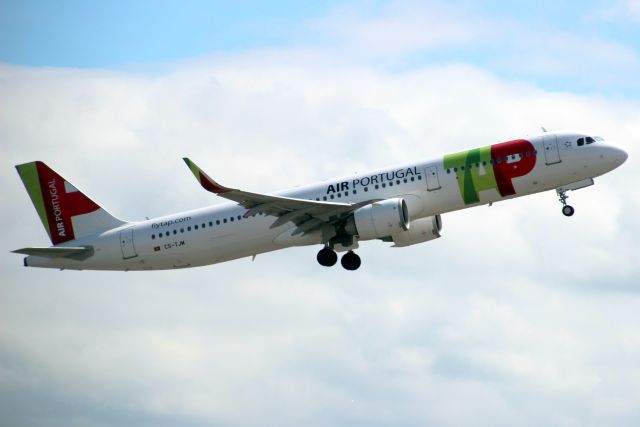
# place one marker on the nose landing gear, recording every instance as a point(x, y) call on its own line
point(327, 257)
point(567, 210)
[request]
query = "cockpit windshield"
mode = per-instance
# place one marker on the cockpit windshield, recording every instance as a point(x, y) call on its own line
point(589, 140)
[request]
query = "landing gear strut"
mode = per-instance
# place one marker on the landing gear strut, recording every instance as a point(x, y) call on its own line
point(567, 210)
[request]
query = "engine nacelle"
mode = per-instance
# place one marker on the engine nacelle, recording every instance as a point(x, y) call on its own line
point(422, 230)
point(381, 219)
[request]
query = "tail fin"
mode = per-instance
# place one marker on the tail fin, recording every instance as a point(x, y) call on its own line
point(65, 212)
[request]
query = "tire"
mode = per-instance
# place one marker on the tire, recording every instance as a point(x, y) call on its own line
point(350, 261)
point(568, 210)
point(327, 257)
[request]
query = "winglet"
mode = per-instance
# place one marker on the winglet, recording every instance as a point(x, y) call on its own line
point(204, 179)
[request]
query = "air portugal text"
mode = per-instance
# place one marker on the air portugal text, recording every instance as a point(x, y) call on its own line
point(380, 178)
point(490, 167)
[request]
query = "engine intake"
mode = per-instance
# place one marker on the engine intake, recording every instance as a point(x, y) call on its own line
point(381, 219)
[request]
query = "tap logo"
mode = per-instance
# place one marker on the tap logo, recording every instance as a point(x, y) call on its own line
point(491, 167)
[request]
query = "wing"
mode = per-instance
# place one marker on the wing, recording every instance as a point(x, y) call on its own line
point(308, 215)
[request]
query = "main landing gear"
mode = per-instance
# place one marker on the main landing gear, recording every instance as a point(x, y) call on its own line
point(567, 210)
point(327, 257)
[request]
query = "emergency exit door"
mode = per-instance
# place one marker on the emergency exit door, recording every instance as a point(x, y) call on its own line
point(433, 181)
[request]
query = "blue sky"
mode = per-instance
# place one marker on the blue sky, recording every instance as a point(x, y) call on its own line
point(115, 34)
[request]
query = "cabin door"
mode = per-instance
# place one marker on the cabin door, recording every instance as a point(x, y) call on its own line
point(126, 244)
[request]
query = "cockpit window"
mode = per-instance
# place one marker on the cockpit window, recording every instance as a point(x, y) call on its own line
point(580, 142)
point(598, 138)
point(590, 140)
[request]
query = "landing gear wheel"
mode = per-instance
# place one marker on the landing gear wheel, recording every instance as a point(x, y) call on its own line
point(567, 210)
point(350, 261)
point(327, 257)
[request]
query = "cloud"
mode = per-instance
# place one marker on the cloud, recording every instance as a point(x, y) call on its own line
point(620, 11)
point(401, 27)
point(515, 309)
point(402, 34)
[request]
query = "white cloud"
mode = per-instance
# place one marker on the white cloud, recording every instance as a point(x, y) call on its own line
point(515, 309)
point(401, 27)
point(620, 10)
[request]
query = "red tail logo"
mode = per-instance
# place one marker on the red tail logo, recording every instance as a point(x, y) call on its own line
point(62, 202)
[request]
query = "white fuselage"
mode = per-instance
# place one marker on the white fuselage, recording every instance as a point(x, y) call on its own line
point(221, 233)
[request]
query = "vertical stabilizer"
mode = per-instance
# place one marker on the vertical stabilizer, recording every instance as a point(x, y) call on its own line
point(65, 212)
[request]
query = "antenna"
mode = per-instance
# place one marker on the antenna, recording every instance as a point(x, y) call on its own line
point(543, 129)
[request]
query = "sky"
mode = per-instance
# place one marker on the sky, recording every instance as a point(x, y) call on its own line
point(517, 316)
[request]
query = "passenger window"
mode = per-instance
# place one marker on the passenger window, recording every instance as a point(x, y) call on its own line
point(189, 228)
point(346, 193)
point(405, 180)
point(195, 227)
point(324, 198)
point(376, 186)
point(217, 222)
point(175, 231)
point(339, 195)
point(398, 182)
point(331, 196)
point(580, 142)
point(355, 192)
point(366, 189)
point(419, 176)
point(231, 219)
point(239, 217)
point(153, 236)
point(224, 220)
point(210, 223)
point(412, 179)
point(182, 230)
point(384, 185)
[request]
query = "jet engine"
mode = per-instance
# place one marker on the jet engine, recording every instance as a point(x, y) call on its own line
point(422, 230)
point(380, 219)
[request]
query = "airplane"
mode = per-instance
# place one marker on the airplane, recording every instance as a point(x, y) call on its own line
point(401, 205)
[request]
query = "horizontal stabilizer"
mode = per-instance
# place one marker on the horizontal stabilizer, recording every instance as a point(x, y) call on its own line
point(75, 252)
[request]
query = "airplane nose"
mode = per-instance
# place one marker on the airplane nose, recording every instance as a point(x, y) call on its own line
point(620, 155)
